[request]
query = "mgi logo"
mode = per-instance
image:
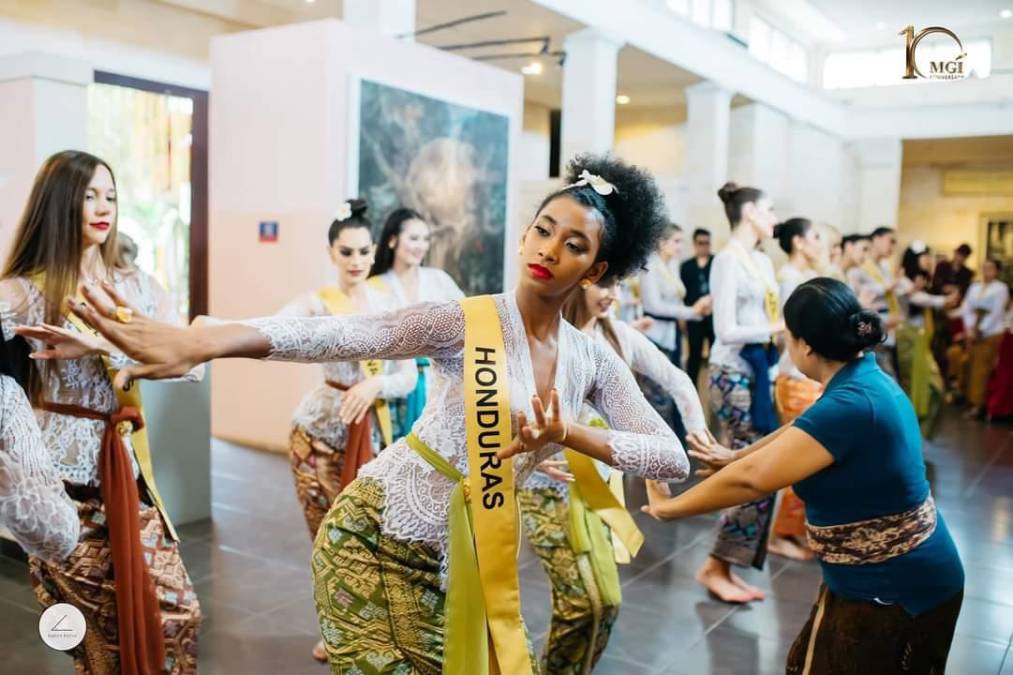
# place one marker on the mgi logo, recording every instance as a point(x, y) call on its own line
point(950, 57)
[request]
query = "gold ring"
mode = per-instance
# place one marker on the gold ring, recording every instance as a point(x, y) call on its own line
point(124, 314)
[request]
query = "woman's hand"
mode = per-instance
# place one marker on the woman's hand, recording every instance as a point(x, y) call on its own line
point(163, 350)
point(643, 324)
point(702, 307)
point(358, 399)
point(705, 448)
point(62, 343)
point(545, 430)
point(556, 470)
point(658, 496)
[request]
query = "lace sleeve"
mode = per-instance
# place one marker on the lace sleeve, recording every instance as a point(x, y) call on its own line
point(642, 444)
point(33, 504)
point(648, 360)
point(427, 329)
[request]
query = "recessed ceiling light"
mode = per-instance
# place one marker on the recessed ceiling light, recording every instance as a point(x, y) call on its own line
point(310, 2)
point(533, 68)
point(622, 99)
point(1006, 13)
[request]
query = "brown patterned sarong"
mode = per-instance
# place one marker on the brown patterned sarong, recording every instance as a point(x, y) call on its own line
point(872, 541)
point(792, 397)
point(86, 580)
point(316, 468)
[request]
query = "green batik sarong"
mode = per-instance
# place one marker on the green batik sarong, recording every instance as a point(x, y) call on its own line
point(582, 619)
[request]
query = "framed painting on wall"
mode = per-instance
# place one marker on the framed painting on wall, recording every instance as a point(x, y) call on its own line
point(446, 161)
point(999, 242)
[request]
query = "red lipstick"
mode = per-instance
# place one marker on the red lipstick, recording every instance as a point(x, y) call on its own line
point(101, 225)
point(539, 272)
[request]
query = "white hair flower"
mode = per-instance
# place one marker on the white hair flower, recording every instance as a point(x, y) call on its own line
point(344, 211)
point(597, 183)
point(918, 247)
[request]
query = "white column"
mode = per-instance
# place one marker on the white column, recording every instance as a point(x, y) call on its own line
point(879, 168)
point(589, 93)
point(44, 106)
point(707, 126)
point(390, 17)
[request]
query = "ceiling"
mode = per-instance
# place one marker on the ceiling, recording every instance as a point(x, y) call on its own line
point(648, 81)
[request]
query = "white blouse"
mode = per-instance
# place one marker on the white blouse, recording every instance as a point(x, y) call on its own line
point(643, 358)
point(990, 298)
point(34, 506)
point(318, 412)
point(416, 495)
point(790, 278)
point(434, 285)
point(73, 442)
point(860, 280)
point(739, 314)
point(661, 296)
point(908, 297)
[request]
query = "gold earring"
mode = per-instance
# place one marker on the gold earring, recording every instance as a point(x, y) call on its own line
point(585, 283)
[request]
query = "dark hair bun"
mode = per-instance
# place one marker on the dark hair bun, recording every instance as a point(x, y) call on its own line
point(634, 212)
point(726, 191)
point(867, 329)
point(359, 207)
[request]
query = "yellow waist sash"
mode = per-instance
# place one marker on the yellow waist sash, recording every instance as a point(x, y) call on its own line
point(132, 398)
point(337, 303)
point(892, 304)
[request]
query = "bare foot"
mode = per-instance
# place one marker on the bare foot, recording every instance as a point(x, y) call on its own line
point(788, 548)
point(715, 575)
point(319, 653)
point(754, 592)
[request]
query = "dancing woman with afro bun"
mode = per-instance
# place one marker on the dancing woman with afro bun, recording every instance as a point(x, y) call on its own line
point(415, 565)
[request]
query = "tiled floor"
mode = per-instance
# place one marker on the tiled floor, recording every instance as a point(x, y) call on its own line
point(251, 570)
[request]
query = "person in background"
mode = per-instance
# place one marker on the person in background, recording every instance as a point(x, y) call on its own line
point(834, 269)
point(695, 274)
point(954, 273)
point(746, 319)
point(1000, 386)
point(876, 277)
point(662, 296)
point(983, 313)
point(892, 577)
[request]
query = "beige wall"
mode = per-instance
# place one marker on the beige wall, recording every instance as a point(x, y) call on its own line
point(654, 138)
point(281, 116)
point(943, 222)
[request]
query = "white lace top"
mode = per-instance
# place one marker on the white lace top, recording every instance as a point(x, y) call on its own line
point(417, 496)
point(662, 296)
point(73, 442)
point(987, 300)
point(317, 413)
point(34, 506)
point(739, 314)
point(643, 358)
point(434, 285)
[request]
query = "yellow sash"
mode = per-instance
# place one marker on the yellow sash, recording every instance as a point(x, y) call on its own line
point(493, 506)
point(771, 302)
point(874, 271)
point(600, 499)
point(337, 302)
point(132, 398)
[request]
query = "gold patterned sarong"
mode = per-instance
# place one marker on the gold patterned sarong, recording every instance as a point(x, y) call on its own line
point(86, 581)
point(316, 468)
point(581, 622)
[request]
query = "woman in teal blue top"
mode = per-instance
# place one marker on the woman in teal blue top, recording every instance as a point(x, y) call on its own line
point(893, 581)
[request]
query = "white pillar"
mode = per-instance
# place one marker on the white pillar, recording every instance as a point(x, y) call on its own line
point(707, 125)
point(389, 17)
point(879, 168)
point(44, 106)
point(589, 93)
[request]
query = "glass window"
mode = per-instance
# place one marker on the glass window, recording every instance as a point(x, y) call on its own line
point(759, 39)
point(679, 6)
point(146, 139)
point(884, 67)
point(701, 12)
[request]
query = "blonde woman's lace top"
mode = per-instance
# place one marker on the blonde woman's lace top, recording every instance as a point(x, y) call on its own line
point(73, 442)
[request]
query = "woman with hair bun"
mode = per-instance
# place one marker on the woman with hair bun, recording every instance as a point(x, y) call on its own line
point(341, 423)
point(892, 579)
point(415, 565)
point(746, 317)
point(793, 391)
